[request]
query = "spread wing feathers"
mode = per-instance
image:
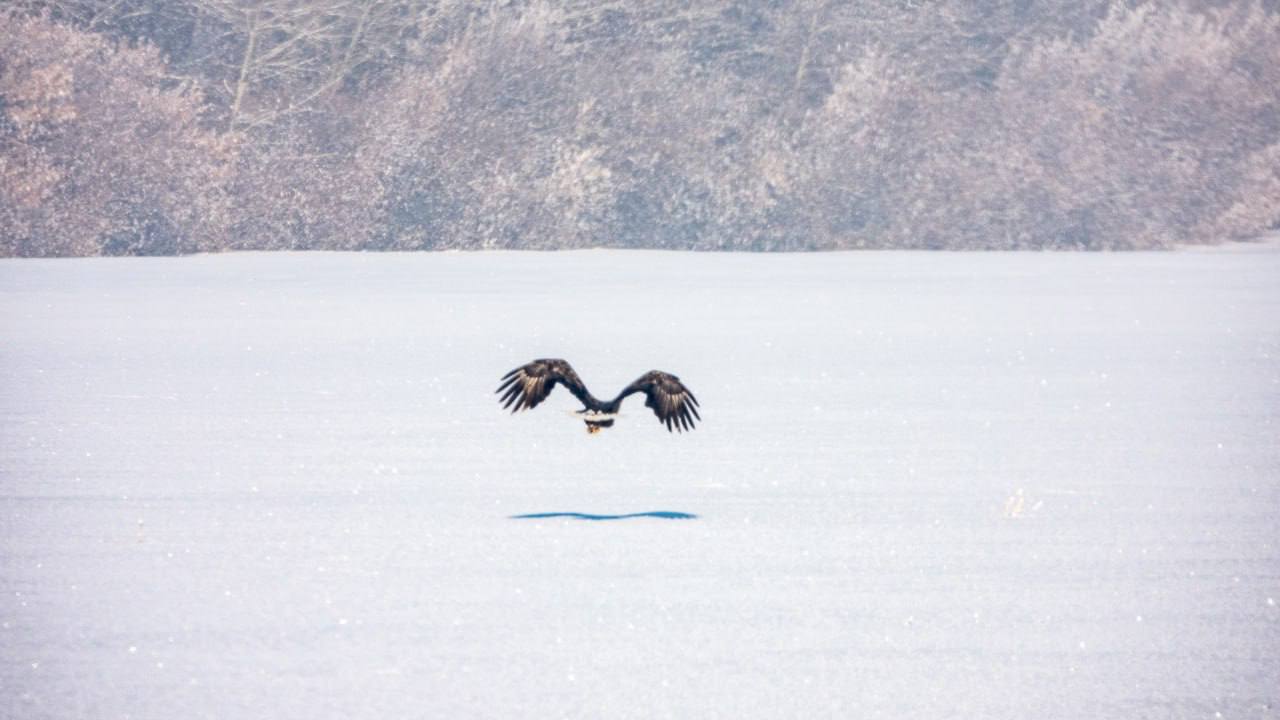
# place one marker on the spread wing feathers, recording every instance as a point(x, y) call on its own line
point(670, 399)
point(530, 384)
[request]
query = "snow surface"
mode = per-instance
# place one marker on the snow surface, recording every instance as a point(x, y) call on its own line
point(927, 485)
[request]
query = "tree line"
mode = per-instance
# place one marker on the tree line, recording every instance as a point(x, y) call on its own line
point(178, 126)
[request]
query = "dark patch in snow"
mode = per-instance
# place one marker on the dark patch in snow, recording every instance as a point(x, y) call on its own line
point(664, 514)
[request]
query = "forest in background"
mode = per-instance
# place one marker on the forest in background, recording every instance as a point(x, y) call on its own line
point(155, 127)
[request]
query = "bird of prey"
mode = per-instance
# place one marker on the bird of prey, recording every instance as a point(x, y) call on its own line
point(530, 384)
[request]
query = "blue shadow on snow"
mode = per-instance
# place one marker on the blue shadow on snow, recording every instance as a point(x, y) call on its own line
point(664, 514)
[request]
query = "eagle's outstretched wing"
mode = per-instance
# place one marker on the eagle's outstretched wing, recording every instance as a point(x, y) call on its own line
point(670, 399)
point(530, 384)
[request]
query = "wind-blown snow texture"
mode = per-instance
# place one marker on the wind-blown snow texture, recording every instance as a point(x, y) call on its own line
point(280, 486)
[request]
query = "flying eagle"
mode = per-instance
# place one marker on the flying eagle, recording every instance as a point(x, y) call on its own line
point(530, 384)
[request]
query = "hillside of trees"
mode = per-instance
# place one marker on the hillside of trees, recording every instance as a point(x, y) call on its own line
point(178, 126)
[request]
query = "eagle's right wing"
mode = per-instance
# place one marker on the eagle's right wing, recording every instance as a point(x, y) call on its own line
point(530, 384)
point(672, 402)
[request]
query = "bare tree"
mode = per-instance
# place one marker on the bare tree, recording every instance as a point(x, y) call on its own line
point(749, 124)
point(98, 153)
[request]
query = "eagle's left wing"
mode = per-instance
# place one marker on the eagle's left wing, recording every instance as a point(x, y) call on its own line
point(671, 401)
point(531, 383)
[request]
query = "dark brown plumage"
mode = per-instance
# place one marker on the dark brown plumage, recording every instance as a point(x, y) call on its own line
point(530, 384)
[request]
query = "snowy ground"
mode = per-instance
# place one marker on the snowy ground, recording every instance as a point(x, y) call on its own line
point(279, 486)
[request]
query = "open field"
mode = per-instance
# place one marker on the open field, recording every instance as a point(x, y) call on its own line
point(926, 485)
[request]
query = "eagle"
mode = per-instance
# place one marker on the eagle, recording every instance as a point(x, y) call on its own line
point(530, 384)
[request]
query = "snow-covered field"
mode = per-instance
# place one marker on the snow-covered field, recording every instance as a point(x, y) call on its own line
point(927, 485)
